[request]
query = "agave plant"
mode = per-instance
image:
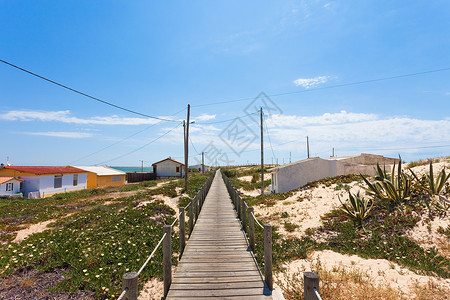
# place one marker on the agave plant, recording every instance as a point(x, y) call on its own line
point(356, 208)
point(433, 188)
point(393, 188)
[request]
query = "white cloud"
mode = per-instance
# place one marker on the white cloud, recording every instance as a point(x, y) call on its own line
point(205, 117)
point(447, 94)
point(356, 130)
point(65, 117)
point(63, 134)
point(325, 119)
point(311, 82)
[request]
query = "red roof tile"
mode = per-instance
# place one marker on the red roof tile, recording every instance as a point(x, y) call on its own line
point(46, 170)
point(6, 179)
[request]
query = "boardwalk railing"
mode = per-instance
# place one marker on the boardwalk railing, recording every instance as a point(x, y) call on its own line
point(130, 279)
point(248, 220)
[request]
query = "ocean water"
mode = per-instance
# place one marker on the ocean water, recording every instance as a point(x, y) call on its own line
point(133, 169)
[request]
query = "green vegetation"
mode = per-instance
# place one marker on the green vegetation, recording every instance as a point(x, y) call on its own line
point(357, 208)
point(95, 247)
point(140, 186)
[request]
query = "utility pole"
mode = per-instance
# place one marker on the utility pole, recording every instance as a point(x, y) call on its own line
point(186, 149)
point(203, 162)
point(307, 145)
point(142, 166)
point(262, 155)
point(333, 151)
point(290, 157)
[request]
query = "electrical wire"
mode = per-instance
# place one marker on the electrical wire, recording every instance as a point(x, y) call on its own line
point(327, 87)
point(86, 95)
point(141, 147)
point(223, 121)
point(268, 135)
point(198, 153)
point(126, 138)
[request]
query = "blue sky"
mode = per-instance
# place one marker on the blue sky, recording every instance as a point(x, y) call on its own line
point(156, 57)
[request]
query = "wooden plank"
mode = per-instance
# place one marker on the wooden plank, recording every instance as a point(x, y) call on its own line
point(216, 262)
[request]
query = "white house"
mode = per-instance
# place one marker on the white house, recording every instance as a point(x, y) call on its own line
point(201, 168)
point(297, 174)
point(168, 167)
point(10, 186)
point(42, 182)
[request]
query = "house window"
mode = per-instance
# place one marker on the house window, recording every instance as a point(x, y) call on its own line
point(75, 179)
point(9, 186)
point(177, 169)
point(57, 181)
point(116, 178)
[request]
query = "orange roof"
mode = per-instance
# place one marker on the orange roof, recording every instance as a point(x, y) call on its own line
point(6, 179)
point(46, 170)
point(169, 158)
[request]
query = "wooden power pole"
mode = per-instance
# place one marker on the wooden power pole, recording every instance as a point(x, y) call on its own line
point(186, 149)
point(262, 155)
point(203, 162)
point(307, 145)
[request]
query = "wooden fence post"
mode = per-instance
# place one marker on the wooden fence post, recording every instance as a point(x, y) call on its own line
point(244, 216)
point(130, 282)
point(182, 232)
point(268, 256)
point(196, 207)
point(191, 216)
point(239, 208)
point(167, 258)
point(310, 281)
point(251, 229)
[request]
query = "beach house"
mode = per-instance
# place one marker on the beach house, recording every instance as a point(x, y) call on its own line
point(40, 182)
point(102, 176)
point(10, 186)
point(168, 167)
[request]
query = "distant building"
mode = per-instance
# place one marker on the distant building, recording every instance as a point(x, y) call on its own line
point(200, 167)
point(10, 186)
point(168, 167)
point(40, 182)
point(297, 174)
point(99, 177)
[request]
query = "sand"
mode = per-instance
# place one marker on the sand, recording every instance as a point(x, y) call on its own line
point(379, 271)
point(304, 208)
point(34, 228)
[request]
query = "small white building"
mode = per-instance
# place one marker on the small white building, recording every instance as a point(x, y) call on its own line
point(40, 182)
point(201, 168)
point(10, 186)
point(168, 167)
point(297, 174)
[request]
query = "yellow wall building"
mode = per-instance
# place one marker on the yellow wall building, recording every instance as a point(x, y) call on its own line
point(100, 177)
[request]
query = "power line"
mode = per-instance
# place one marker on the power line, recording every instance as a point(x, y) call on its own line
point(328, 87)
point(194, 146)
point(270, 142)
point(141, 147)
point(86, 95)
point(126, 138)
point(223, 121)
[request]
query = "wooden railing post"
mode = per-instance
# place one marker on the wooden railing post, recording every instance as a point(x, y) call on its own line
point(130, 282)
point(167, 258)
point(310, 281)
point(191, 216)
point(196, 207)
point(239, 208)
point(251, 229)
point(244, 216)
point(268, 256)
point(182, 231)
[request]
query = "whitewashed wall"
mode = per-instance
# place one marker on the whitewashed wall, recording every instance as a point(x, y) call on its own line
point(168, 169)
point(15, 190)
point(46, 184)
point(31, 184)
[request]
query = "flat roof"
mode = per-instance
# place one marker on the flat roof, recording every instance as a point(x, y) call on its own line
point(101, 170)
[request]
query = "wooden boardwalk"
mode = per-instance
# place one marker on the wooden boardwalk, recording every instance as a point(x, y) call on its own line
point(217, 262)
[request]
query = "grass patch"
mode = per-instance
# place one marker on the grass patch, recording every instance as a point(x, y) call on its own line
point(95, 247)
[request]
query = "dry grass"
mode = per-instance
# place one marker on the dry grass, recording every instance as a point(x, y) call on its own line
point(340, 283)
